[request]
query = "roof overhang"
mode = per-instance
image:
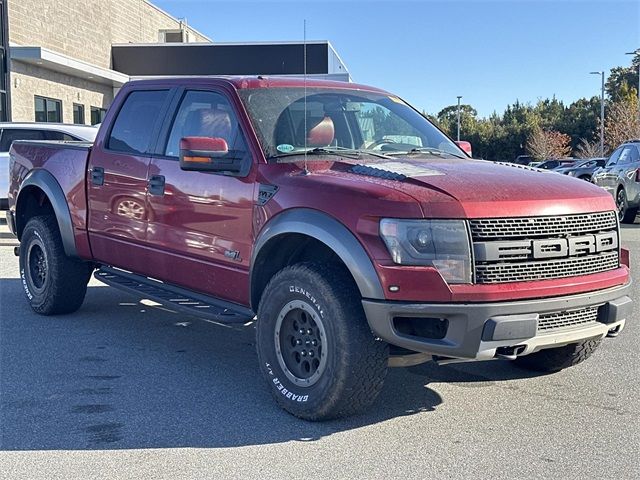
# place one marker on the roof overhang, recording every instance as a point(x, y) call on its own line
point(45, 58)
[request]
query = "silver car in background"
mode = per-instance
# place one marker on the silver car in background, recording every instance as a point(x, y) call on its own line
point(34, 131)
point(621, 178)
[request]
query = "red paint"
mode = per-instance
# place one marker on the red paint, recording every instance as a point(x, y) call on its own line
point(187, 235)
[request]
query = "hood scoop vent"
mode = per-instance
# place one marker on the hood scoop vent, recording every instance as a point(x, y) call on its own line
point(522, 167)
point(377, 172)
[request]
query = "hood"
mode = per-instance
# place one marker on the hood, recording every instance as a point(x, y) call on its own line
point(458, 188)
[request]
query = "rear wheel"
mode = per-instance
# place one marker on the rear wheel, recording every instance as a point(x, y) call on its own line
point(626, 214)
point(52, 282)
point(556, 359)
point(315, 347)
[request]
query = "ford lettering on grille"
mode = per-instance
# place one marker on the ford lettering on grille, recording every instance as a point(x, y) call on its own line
point(524, 249)
point(550, 248)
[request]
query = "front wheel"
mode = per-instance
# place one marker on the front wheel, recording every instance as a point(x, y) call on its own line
point(314, 345)
point(626, 214)
point(556, 359)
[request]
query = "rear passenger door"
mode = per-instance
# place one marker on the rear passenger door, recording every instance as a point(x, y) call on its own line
point(117, 180)
point(201, 221)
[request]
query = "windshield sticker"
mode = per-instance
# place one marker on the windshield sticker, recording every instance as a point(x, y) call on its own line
point(406, 169)
point(285, 148)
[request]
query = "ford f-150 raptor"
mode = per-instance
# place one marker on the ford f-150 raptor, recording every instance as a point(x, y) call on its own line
point(352, 231)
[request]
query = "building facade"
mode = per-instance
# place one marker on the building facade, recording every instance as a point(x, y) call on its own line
point(59, 66)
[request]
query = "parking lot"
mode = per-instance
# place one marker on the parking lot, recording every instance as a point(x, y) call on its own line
point(127, 389)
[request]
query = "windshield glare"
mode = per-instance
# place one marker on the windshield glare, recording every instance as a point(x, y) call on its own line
point(340, 119)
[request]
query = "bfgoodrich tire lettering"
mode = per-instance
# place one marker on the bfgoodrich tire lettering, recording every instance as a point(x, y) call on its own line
point(355, 363)
point(53, 283)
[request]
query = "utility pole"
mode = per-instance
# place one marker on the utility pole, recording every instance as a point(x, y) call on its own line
point(459, 97)
point(601, 113)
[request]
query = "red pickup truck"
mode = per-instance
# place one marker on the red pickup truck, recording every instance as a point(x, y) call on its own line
point(349, 228)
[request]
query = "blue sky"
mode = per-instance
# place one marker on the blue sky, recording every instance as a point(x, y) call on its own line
point(490, 52)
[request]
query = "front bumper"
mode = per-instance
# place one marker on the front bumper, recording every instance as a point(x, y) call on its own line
point(476, 331)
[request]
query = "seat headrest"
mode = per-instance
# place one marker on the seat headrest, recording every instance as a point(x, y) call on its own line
point(321, 133)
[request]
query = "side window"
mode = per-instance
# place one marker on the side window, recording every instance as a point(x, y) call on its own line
point(625, 156)
point(613, 159)
point(131, 132)
point(205, 114)
point(11, 134)
point(53, 135)
point(634, 156)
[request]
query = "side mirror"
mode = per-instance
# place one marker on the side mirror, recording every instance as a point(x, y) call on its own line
point(208, 154)
point(465, 147)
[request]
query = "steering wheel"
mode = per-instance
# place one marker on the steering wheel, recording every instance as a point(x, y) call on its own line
point(379, 143)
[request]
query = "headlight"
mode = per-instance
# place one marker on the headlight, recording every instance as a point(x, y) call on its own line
point(443, 244)
point(571, 173)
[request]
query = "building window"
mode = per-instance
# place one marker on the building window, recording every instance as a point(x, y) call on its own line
point(48, 109)
point(78, 114)
point(97, 115)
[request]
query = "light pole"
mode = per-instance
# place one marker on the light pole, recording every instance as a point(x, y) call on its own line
point(634, 53)
point(601, 113)
point(459, 97)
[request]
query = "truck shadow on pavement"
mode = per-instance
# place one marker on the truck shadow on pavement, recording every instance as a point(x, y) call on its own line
point(120, 374)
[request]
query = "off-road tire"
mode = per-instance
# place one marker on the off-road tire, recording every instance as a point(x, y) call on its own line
point(626, 214)
point(556, 359)
point(61, 282)
point(356, 362)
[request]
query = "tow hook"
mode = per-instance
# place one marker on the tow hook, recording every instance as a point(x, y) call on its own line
point(509, 353)
point(16, 251)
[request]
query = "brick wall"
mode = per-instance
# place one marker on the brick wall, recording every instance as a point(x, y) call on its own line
point(83, 30)
point(29, 80)
point(86, 29)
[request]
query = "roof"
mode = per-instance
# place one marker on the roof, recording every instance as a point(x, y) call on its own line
point(86, 132)
point(243, 82)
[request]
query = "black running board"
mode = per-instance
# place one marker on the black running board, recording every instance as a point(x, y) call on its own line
point(174, 297)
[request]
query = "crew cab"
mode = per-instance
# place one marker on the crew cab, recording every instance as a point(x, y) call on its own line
point(350, 230)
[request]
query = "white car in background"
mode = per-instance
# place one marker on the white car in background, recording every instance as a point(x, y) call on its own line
point(35, 131)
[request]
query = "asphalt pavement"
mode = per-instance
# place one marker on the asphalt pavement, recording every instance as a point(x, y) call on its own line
point(125, 388)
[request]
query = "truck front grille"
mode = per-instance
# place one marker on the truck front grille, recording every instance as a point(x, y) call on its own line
point(533, 227)
point(543, 248)
point(551, 322)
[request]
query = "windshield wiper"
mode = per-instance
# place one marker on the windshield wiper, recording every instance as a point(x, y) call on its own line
point(432, 150)
point(352, 153)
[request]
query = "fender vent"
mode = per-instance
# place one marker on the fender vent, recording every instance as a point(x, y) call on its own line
point(265, 193)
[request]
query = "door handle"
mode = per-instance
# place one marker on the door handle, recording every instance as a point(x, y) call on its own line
point(156, 185)
point(97, 176)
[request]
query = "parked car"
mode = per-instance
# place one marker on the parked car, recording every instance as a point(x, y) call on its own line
point(353, 245)
point(555, 163)
point(34, 131)
point(523, 160)
point(582, 169)
point(621, 178)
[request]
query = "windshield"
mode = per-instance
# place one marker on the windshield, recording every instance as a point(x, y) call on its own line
point(339, 121)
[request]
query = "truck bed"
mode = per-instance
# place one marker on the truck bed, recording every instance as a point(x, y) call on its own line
point(65, 160)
